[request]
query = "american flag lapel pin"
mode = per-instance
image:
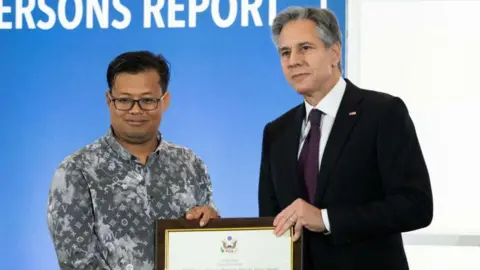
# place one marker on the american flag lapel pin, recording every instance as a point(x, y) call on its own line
point(352, 113)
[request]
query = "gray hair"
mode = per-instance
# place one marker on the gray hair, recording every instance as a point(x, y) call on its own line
point(328, 28)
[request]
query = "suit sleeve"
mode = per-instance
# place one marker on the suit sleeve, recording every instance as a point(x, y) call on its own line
point(71, 221)
point(407, 204)
point(267, 199)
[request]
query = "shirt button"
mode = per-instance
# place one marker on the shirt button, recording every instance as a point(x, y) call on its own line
point(129, 267)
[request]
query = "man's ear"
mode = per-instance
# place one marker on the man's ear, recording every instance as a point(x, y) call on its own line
point(107, 97)
point(337, 53)
point(165, 101)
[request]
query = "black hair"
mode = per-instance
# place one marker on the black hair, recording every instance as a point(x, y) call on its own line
point(136, 62)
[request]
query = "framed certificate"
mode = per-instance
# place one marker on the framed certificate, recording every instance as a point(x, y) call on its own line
point(225, 244)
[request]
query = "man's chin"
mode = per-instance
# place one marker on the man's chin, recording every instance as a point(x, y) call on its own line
point(137, 137)
point(304, 91)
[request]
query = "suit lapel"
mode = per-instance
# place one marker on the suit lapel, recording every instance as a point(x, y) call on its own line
point(347, 115)
point(286, 156)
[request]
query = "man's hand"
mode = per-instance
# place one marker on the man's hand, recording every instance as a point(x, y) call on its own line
point(204, 213)
point(299, 214)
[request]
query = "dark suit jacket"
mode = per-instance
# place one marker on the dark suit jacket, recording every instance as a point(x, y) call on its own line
point(373, 181)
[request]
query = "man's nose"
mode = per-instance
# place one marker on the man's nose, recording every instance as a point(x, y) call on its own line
point(136, 108)
point(295, 59)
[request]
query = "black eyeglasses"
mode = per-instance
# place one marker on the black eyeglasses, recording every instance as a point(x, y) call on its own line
point(126, 104)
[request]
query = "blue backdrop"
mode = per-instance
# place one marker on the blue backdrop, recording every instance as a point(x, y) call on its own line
point(226, 85)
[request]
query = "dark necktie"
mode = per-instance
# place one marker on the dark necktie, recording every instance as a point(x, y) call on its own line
point(310, 154)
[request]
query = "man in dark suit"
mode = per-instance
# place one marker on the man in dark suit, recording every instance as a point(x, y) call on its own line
point(344, 168)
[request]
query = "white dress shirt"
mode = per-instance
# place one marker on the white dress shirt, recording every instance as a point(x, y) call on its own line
point(329, 106)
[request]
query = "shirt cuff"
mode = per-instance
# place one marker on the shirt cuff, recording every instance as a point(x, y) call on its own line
point(326, 222)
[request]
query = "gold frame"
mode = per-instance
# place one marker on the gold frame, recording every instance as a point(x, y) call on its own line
point(167, 231)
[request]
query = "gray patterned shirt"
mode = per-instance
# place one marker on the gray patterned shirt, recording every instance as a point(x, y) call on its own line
point(103, 202)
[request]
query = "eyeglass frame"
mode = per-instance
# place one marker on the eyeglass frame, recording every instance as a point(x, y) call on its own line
point(137, 101)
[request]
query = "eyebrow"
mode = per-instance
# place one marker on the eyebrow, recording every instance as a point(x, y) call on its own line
point(128, 94)
point(297, 45)
point(305, 43)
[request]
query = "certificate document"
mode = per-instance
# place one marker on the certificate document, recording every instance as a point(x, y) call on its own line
point(225, 244)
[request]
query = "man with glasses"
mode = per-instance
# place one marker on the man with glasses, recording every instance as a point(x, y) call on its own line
point(105, 198)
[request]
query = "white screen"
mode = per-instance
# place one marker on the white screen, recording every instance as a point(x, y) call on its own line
point(443, 258)
point(428, 53)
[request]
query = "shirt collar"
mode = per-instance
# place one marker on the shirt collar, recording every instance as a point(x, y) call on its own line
point(331, 102)
point(120, 150)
